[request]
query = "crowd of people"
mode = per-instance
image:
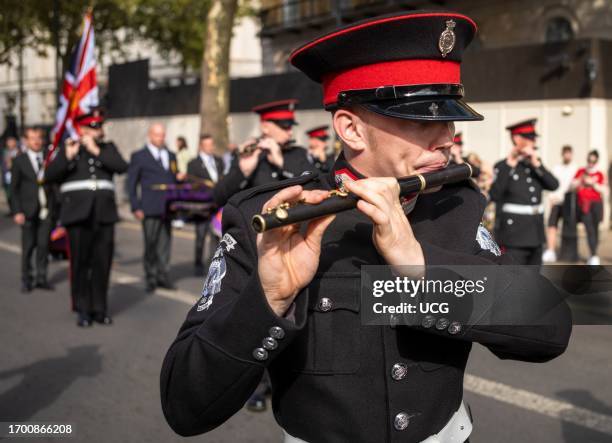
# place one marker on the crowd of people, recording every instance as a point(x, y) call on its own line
point(74, 188)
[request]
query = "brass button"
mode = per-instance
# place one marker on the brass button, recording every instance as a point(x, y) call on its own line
point(260, 354)
point(401, 421)
point(277, 332)
point(269, 343)
point(442, 324)
point(428, 321)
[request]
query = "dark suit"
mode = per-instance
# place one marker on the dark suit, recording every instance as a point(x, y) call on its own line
point(144, 172)
point(89, 213)
point(197, 168)
point(25, 188)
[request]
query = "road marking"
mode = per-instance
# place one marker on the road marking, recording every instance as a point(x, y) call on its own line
point(559, 410)
point(521, 398)
point(133, 226)
point(10, 247)
point(124, 278)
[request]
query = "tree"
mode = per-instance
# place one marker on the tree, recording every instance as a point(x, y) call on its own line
point(215, 79)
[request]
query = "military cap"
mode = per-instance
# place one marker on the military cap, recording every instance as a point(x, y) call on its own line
point(319, 132)
point(458, 139)
point(281, 112)
point(405, 65)
point(92, 119)
point(525, 128)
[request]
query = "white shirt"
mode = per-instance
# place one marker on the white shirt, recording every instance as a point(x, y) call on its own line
point(34, 158)
point(159, 152)
point(565, 174)
point(211, 166)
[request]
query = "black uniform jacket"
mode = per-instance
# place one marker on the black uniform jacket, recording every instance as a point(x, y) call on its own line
point(521, 185)
point(78, 206)
point(332, 376)
point(295, 162)
point(24, 189)
point(196, 168)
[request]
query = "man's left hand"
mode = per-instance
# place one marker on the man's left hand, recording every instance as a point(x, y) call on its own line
point(392, 234)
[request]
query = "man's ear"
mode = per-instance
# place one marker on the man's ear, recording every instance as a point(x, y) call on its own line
point(265, 128)
point(351, 129)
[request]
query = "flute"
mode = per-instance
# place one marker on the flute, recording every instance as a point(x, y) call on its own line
point(338, 200)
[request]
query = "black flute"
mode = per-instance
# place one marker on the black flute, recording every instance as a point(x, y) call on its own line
point(338, 200)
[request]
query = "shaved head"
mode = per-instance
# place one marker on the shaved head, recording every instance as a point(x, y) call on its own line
point(157, 134)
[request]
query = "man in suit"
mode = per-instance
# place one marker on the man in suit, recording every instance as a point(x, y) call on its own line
point(31, 205)
point(206, 166)
point(84, 169)
point(153, 165)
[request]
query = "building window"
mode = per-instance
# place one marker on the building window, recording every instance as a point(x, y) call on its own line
point(559, 29)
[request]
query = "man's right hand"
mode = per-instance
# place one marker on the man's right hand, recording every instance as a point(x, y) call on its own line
point(19, 218)
point(289, 260)
point(139, 215)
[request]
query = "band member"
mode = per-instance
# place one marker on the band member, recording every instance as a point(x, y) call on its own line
point(517, 192)
point(32, 206)
point(150, 166)
point(317, 148)
point(206, 166)
point(564, 172)
point(271, 157)
point(84, 170)
point(589, 183)
point(457, 156)
point(289, 299)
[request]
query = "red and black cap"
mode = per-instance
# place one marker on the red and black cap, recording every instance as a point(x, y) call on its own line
point(525, 128)
point(319, 132)
point(281, 112)
point(93, 119)
point(404, 65)
point(458, 139)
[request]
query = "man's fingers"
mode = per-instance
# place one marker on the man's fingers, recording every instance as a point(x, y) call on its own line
point(316, 229)
point(376, 215)
point(289, 194)
point(377, 194)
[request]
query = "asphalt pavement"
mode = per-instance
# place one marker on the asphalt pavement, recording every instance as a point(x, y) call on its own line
point(105, 380)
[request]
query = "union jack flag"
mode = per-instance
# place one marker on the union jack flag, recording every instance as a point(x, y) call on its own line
point(80, 87)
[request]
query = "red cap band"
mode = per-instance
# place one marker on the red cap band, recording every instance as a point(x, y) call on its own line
point(318, 133)
point(278, 115)
point(397, 73)
point(88, 120)
point(529, 129)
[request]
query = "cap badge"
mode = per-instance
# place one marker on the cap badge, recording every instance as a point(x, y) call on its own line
point(446, 43)
point(434, 109)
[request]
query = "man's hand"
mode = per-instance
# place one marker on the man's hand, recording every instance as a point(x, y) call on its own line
point(275, 153)
point(248, 162)
point(72, 148)
point(392, 234)
point(139, 215)
point(19, 218)
point(289, 260)
point(532, 155)
point(90, 144)
point(181, 176)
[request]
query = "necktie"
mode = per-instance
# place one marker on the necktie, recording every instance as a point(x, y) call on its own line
point(212, 168)
point(159, 160)
point(39, 162)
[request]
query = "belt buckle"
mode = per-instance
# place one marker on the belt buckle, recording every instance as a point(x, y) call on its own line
point(94, 185)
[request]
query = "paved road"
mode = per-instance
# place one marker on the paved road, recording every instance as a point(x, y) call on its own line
point(104, 380)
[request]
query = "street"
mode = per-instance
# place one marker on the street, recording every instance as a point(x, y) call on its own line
point(105, 380)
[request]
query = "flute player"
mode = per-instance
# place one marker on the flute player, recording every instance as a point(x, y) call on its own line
point(288, 299)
